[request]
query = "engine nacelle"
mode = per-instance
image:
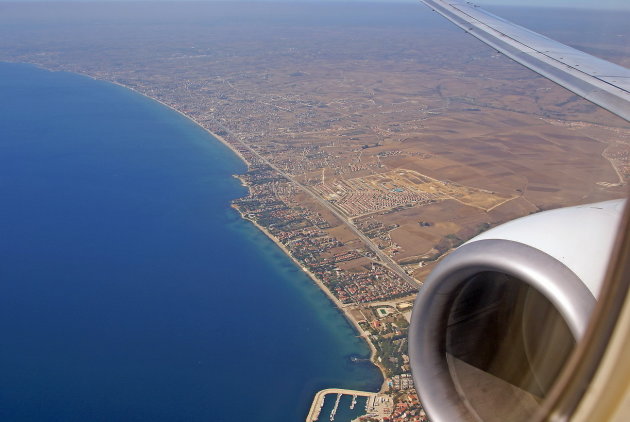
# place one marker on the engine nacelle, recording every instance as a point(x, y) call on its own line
point(496, 320)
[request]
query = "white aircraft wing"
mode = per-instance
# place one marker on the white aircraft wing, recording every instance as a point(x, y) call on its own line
point(599, 81)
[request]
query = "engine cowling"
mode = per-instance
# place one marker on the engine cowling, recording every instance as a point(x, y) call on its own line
point(497, 319)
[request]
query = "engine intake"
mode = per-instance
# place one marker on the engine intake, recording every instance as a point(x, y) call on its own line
point(497, 319)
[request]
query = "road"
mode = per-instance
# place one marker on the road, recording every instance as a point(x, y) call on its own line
point(386, 260)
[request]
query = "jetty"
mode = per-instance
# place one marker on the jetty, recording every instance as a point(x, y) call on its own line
point(334, 411)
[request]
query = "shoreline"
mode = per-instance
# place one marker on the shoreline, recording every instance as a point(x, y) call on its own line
point(347, 315)
point(192, 119)
point(353, 322)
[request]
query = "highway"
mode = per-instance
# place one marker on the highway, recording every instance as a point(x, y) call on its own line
point(386, 260)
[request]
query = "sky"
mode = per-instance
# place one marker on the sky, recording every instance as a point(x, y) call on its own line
point(572, 3)
point(592, 4)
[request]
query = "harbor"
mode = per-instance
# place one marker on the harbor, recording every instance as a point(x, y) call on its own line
point(342, 405)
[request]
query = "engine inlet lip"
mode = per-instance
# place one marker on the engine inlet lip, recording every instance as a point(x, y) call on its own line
point(550, 277)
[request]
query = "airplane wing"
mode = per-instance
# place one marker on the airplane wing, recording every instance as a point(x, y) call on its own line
point(599, 81)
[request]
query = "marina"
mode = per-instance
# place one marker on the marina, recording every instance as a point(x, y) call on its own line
point(345, 400)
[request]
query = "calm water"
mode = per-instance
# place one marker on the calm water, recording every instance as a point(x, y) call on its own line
point(129, 289)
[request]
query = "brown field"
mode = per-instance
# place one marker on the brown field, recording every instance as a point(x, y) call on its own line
point(447, 218)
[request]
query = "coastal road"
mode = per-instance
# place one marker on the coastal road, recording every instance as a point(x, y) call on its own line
point(386, 260)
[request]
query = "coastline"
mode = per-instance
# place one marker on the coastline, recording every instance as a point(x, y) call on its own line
point(313, 277)
point(192, 119)
point(347, 315)
point(164, 153)
point(323, 287)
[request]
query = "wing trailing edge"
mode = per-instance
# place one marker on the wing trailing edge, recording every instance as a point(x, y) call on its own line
point(599, 81)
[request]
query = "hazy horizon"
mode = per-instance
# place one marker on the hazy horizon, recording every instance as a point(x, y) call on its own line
point(588, 4)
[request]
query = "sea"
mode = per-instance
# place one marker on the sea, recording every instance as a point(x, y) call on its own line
point(130, 290)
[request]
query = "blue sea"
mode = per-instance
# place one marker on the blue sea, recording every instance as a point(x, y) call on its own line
point(129, 289)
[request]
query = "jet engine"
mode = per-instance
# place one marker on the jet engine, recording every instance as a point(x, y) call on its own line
point(497, 319)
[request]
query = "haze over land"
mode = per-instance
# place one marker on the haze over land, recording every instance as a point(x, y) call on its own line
point(378, 136)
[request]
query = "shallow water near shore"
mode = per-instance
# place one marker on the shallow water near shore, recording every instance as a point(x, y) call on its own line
point(129, 289)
